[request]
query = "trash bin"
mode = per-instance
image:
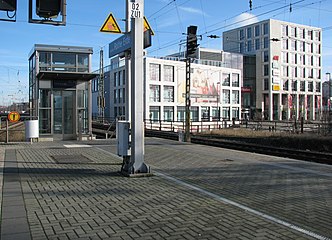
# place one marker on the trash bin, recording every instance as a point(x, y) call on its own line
point(181, 135)
point(31, 129)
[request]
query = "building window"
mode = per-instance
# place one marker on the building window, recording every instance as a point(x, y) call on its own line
point(257, 32)
point(124, 95)
point(168, 73)
point(226, 79)
point(266, 70)
point(235, 80)
point(310, 34)
point(285, 72)
point(293, 58)
point(154, 113)
point(302, 86)
point(241, 47)
point(194, 114)
point(205, 113)
point(265, 56)
point(235, 113)
point(225, 96)
point(317, 36)
point(154, 93)
point(154, 72)
point(114, 96)
point(285, 44)
point(310, 86)
point(266, 84)
point(301, 46)
point(317, 86)
point(301, 33)
point(266, 42)
point(168, 94)
point(249, 46)
point(241, 34)
point(115, 77)
point(225, 114)
point(119, 78)
point(123, 77)
point(300, 72)
point(284, 30)
point(293, 45)
point(285, 85)
point(284, 56)
point(181, 113)
point(257, 44)
point(248, 32)
point(294, 85)
point(293, 31)
point(235, 97)
point(265, 28)
point(168, 113)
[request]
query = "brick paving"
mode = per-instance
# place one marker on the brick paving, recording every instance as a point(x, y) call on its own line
point(91, 200)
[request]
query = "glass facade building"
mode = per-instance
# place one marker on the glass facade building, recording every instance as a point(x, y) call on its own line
point(60, 90)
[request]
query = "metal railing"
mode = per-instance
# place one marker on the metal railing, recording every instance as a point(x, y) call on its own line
point(13, 131)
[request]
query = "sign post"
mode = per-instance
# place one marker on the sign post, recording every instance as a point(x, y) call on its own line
point(135, 165)
point(137, 92)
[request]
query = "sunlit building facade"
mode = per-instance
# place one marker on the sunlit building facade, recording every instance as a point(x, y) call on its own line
point(288, 67)
point(215, 90)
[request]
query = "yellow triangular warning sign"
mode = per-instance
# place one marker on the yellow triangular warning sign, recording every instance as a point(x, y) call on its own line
point(110, 25)
point(147, 26)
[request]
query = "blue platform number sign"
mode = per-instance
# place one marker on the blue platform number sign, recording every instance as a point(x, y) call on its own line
point(136, 10)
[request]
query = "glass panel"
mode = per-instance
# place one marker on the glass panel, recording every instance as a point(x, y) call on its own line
point(154, 113)
point(168, 113)
point(154, 93)
point(181, 113)
point(205, 113)
point(45, 61)
point(235, 80)
point(45, 121)
point(45, 98)
point(57, 116)
point(226, 79)
point(68, 101)
point(168, 94)
point(169, 73)
point(194, 114)
point(154, 72)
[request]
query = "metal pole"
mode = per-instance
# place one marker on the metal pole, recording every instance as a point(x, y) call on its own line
point(127, 67)
point(187, 129)
point(137, 164)
point(7, 131)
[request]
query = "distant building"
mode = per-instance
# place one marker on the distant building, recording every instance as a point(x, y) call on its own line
point(215, 90)
point(288, 67)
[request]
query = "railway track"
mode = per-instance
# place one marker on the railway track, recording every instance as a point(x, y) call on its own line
point(311, 156)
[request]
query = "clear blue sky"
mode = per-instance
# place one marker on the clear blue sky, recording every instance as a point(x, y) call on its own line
point(168, 18)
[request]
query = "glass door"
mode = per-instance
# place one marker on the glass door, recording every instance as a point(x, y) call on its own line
point(57, 114)
point(63, 115)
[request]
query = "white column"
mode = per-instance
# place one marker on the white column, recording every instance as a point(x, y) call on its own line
point(137, 94)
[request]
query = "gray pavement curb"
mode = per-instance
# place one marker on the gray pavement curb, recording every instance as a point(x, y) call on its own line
point(14, 223)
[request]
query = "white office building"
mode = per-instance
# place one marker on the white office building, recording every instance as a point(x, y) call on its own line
point(288, 67)
point(215, 90)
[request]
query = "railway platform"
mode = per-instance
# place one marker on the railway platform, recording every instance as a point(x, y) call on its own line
point(73, 190)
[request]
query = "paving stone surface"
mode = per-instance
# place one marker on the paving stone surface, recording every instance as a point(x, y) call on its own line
point(184, 200)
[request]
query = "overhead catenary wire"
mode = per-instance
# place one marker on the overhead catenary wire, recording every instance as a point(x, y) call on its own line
point(234, 23)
